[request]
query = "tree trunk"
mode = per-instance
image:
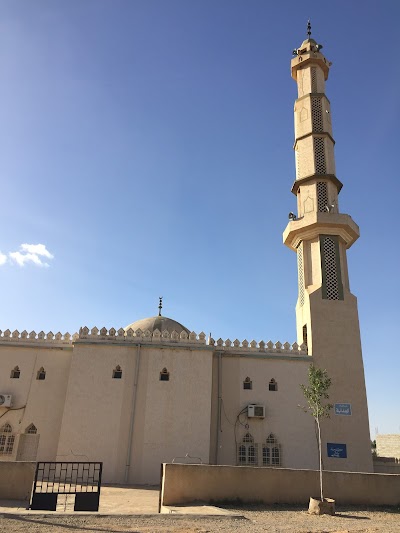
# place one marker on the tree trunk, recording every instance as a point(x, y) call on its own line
point(320, 459)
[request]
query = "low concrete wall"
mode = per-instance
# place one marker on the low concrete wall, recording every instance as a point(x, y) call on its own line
point(16, 480)
point(182, 484)
point(389, 466)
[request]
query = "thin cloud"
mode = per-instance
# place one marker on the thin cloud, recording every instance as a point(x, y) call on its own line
point(36, 249)
point(3, 259)
point(29, 253)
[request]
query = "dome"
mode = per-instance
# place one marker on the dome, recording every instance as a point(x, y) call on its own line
point(161, 323)
point(309, 40)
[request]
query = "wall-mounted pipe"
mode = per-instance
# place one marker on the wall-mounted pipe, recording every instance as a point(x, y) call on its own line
point(132, 421)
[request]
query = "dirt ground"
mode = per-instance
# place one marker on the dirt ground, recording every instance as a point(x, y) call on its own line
point(255, 519)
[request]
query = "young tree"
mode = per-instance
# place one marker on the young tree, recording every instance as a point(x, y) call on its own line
point(316, 393)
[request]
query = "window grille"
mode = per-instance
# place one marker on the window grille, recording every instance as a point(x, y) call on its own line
point(41, 374)
point(319, 155)
point(7, 440)
point(305, 339)
point(273, 385)
point(331, 280)
point(316, 114)
point(300, 267)
point(272, 452)
point(314, 86)
point(117, 372)
point(15, 373)
point(31, 429)
point(164, 375)
point(247, 451)
point(297, 157)
point(247, 384)
point(322, 196)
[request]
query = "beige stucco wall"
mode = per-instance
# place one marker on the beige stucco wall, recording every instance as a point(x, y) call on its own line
point(304, 81)
point(335, 344)
point(386, 467)
point(40, 402)
point(183, 484)
point(171, 418)
point(16, 480)
point(293, 428)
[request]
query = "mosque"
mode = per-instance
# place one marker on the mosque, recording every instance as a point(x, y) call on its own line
point(155, 392)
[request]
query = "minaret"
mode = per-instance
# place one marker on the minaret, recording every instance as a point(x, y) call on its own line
point(326, 310)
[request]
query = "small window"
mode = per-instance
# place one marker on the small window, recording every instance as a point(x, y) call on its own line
point(273, 385)
point(247, 384)
point(117, 372)
point(15, 373)
point(164, 375)
point(31, 429)
point(41, 374)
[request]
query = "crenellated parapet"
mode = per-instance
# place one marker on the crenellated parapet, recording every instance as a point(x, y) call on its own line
point(183, 338)
point(37, 338)
point(155, 337)
point(261, 346)
point(139, 336)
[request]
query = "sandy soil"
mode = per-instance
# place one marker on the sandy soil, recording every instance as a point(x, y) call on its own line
point(256, 519)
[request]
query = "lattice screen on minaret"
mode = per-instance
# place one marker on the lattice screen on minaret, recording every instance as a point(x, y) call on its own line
point(298, 168)
point(300, 266)
point(331, 275)
point(322, 196)
point(319, 154)
point(316, 114)
point(314, 88)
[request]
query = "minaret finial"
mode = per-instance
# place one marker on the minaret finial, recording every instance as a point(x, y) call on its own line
point(309, 28)
point(160, 305)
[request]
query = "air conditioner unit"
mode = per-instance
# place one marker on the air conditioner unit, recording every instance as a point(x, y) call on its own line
point(5, 400)
point(256, 411)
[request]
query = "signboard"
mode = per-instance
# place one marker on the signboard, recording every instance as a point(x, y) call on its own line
point(337, 450)
point(343, 409)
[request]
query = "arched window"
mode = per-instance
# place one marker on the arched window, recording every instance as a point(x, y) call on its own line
point(15, 372)
point(272, 455)
point(247, 451)
point(31, 429)
point(273, 385)
point(164, 375)
point(117, 372)
point(247, 384)
point(6, 440)
point(41, 374)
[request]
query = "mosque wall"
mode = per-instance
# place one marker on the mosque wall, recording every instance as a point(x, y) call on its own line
point(176, 414)
point(34, 401)
point(169, 418)
point(136, 420)
point(292, 428)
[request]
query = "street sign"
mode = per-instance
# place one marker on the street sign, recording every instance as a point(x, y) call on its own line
point(343, 409)
point(339, 451)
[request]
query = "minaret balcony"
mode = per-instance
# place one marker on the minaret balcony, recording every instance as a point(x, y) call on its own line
point(306, 60)
point(314, 224)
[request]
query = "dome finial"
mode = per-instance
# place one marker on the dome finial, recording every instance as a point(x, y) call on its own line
point(309, 28)
point(160, 305)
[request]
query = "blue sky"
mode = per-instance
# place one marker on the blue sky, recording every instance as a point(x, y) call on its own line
point(148, 146)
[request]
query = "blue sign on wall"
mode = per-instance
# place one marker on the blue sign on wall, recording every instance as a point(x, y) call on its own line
point(343, 409)
point(337, 450)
